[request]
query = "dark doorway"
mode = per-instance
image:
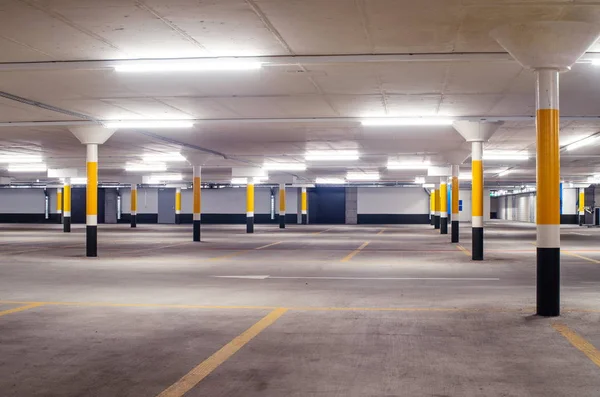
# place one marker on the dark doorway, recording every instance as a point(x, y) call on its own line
point(78, 213)
point(327, 205)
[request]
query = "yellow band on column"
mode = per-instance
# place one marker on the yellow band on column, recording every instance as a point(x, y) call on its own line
point(134, 200)
point(454, 196)
point(59, 201)
point(548, 167)
point(438, 201)
point(197, 196)
point(67, 198)
point(92, 189)
point(304, 202)
point(581, 201)
point(443, 198)
point(477, 186)
point(281, 200)
point(250, 198)
point(177, 201)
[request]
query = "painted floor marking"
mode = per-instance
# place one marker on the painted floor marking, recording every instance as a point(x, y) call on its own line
point(463, 249)
point(21, 308)
point(579, 256)
point(579, 342)
point(196, 375)
point(238, 253)
point(355, 252)
point(264, 277)
point(382, 230)
point(323, 231)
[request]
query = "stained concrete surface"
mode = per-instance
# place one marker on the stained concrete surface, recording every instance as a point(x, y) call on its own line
point(462, 328)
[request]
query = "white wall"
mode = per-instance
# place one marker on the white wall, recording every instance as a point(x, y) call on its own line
point(570, 201)
point(23, 201)
point(465, 196)
point(230, 200)
point(147, 201)
point(521, 207)
point(392, 200)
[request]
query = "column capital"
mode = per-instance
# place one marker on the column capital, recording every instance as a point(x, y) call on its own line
point(96, 135)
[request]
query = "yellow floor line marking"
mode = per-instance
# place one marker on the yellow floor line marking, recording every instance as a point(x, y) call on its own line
point(463, 249)
point(323, 231)
point(382, 230)
point(159, 248)
point(580, 256)
point(356, 251)
point(579, 342)
point(268, 245)
point(21, 308)
point(196, 375)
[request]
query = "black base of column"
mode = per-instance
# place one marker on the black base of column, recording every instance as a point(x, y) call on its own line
point(581, 219)
point(249, 224)
point(178, 219)
point(133, 220)
point(282, 221)
point(548, 282)
point(91, 241)
point(305, 219)
point(443, 225)
point(477, 247)
point(197, 230)
point(454, 231)
point(67, 224)
point(431, 219)
point(436, 221)
point(60, 218)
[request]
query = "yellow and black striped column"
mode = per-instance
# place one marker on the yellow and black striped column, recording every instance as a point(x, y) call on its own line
point(59, 204)
point(304, 205)
point(436, 215)
point(250, 207)
point(92, 201)
point(581, 206)
point(134, 204)
point(444, 205)
point(454, 197)
point(197, 220)
point(432, 206)
point(178, 206)
point(282, 206)
point(66, 197)
point(548, 194)
point(477, 200)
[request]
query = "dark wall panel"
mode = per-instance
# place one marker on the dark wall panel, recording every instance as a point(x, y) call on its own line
point(383, 219)
point(78, 203)
point(327, 205)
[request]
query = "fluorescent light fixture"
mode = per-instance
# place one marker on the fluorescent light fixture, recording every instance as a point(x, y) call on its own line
point(596, 62)
point(78, 181)
point(260, 179)
point(203, 65)
point(163, 157)
point(429, 185)
point(584, 142)
point(20, 159)
point(149, 124)
point(332, 155)
point(392, 165)
point(284, 166)
point(465, 177)
point(517, 156)
point(362, 176)
point(156, 167)
point(157, 178)
point(406, 121)
point(330, 181)
point(504, 173)
point(420, 180)
point(239, 181)
point(27, 168)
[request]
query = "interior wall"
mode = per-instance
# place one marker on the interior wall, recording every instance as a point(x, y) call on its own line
point(388, 205)
point(522, 207)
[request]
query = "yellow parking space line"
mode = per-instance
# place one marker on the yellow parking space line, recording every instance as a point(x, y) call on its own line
point(238, 253)
point(463, 249)
point(579, 342)
point(268, 245)
point(21, 308)
point(323, 231)
point(196, 375)
point(580, 256)
point(381, 231)
point(356, 251)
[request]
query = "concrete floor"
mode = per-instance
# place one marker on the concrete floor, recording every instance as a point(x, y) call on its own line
point(408, 315)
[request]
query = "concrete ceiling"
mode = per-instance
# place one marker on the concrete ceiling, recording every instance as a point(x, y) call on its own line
point(46, 31)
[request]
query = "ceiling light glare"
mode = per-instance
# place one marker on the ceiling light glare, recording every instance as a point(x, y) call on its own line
point(156, 167)
point(332, 155)
point(284, 166)
point(203, 65)
point(515, 156)
point(78, 181)
point(429, 185)
point(596, 62)
point(363, 176)
point(330, 181)
point(420, 180)
point(584, 142)
point(393, 165)
point(27, 168)
point(406, 121)
point(504, 173)
point(260, 179)
point(157, 178)
point(163, 157)
point(150, 124)
point(20, 159)
point(239, 181)
point(465, 177)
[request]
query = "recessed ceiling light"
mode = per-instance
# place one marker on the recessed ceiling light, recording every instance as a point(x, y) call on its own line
point(27, 168)
point(428, 185)
point(332, 155)
point(584, 142)
point(239, 181)
point(420, 180)
point(157, 178)
point(149, 124)
point(20, 159)
point(284, 166)
point(145, 167)
point(363, 176)
point(406, 121)
point(423, 165)
point(330, 181)
point(202, 65)
point(163, 157)
point(516, 156)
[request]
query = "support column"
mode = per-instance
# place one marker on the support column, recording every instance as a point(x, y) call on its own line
point(134, 200)
point(250, 207)
point(443, 205)
point(67, 206)
point(477, 200)
point(548, 195)
point(178, 206)
point(432, 206)
point(197, 220)
point(436, 214)
point(282, 206)
point(581, 206)
point(59, 204)
point(455, 212)
point(304, 206)
point(92, 201)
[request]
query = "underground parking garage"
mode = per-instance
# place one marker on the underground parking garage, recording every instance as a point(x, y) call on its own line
point(316, 198)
